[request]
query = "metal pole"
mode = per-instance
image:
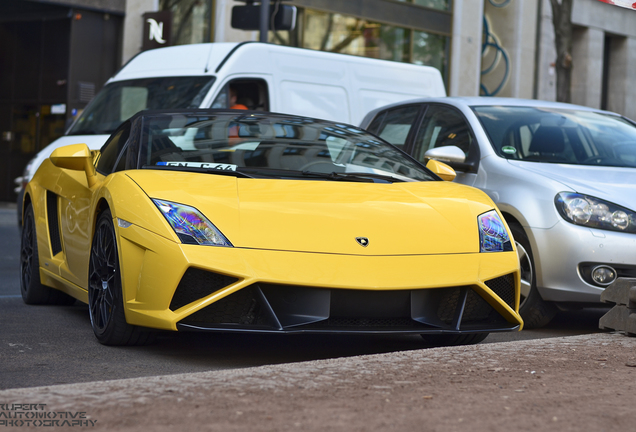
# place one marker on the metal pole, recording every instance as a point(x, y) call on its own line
point(264, 22)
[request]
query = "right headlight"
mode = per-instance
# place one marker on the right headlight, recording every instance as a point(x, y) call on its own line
point(593, 212)
point(493, 235)
point(190, 225)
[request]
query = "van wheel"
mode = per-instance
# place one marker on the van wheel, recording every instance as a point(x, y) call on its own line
point(439, 340)
point(535, 311)
point(31, 288)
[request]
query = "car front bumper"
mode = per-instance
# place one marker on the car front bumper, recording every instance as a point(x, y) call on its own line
point(561, 250)
point(187, 287)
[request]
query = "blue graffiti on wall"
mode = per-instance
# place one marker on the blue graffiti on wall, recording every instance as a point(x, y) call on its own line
point(491, 47)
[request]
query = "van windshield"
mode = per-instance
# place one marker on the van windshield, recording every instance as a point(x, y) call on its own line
point(120, 100)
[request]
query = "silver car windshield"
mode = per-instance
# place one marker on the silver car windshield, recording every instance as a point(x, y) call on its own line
point(269, 145)
point(559, 136)
point(119, 101)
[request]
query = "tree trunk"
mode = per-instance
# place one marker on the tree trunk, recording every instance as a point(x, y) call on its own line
point(562, 21)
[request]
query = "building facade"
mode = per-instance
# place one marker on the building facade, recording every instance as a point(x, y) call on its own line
point(54, 57)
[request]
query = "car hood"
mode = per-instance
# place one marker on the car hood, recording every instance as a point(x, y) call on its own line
point(328, 216)
point(615, 184)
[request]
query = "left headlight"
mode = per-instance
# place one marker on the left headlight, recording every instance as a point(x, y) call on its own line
point(190, 225)
point(594, 212)
point(493, 235)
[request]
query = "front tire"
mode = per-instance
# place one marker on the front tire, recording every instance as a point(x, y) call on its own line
point(535, 311)
point(31, 288)
point(105, 297)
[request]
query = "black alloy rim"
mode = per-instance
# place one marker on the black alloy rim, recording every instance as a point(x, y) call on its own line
point(102, 277)
point(26, 251)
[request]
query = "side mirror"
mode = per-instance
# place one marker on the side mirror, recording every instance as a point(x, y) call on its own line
point(441, 169)
point(451, 154)
point(76, 157)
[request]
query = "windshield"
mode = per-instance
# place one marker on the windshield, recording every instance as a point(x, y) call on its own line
point(120, 100)
point(559, 136)
point(269, 145)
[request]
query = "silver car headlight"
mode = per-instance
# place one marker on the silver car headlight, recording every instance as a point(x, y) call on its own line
point(493, 235)
point(593, 212)
point(190, 224)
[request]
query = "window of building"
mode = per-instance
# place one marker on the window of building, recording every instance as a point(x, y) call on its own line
point(191, 20)
point(344, 34)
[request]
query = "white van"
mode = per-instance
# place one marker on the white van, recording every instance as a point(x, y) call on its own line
point(263, 77)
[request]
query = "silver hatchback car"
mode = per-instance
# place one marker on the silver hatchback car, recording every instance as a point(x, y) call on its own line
point(564, 176)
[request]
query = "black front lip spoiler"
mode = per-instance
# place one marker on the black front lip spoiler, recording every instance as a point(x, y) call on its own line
point(343, 331)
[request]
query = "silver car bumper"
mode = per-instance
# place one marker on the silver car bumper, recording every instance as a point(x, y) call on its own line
point(559, 251)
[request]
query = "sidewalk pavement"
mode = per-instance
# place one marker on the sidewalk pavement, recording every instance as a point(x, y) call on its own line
point(576, 383)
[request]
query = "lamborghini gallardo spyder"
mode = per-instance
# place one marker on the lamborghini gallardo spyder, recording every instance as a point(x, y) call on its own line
point(248, 221)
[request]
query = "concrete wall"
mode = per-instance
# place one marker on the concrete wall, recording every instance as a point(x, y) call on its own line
point(545, 84)
point(513, 29)
point(621, 95)
point(134, 25)
point(619, 24)
point(587, 66)
point(465, 64)
point(593, 21)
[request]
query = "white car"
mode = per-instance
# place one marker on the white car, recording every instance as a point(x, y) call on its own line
point(564, 177)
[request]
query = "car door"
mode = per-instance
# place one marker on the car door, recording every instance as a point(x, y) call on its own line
point(74, 200)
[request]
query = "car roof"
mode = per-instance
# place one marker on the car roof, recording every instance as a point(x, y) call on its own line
point(473, 101)
point(234, 112)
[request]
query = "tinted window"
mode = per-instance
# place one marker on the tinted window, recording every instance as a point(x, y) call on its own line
point(442, 126)
point(270, 145)
point(111, 150)
point(559, 136)
point(243, 94)
point(394, 125)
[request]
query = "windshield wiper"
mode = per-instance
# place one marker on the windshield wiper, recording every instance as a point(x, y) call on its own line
point(234, 173)
point(283, 173)
point(354, 176)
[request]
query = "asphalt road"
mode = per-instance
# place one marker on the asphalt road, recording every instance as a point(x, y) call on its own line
point(47, 345)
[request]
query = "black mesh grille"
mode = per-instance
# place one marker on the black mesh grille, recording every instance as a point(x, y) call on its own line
point(476, 308)
point(240, 307)
point(196, 284)
point(54, 223)
point(504, 287)
point(448, 305)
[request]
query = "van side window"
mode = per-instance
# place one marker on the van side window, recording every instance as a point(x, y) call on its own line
point(394, 125)
point(442, 126)
point(243, 93)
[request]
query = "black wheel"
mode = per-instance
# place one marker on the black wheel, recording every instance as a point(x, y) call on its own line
point(32, 290)
point(535, 311)
point(453, 339)
point(105, 298)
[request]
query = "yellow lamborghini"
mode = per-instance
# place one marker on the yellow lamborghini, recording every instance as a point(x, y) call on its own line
point(221, 220)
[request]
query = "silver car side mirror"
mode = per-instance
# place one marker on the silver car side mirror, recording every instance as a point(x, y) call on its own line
point(446, 154)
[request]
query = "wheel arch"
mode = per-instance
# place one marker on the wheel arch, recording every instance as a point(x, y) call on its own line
point(513, 219)
point(25, 203)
